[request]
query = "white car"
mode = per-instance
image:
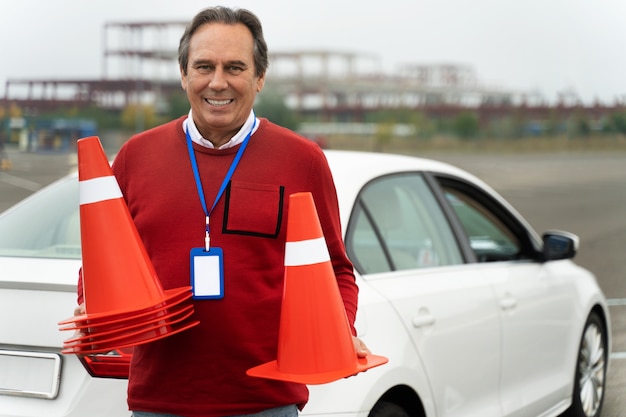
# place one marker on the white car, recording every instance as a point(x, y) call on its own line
point(478, 315)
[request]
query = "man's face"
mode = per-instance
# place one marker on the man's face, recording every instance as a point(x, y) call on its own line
point(220, 83)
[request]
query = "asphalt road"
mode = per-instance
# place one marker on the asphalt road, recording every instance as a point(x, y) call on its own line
point(31, 171)
point(584, 193)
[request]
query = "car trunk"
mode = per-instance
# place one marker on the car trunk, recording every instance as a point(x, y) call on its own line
point(35, 294)
point(35, 378)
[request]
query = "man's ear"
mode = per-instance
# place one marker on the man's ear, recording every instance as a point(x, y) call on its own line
point(183, 79)
point(260, 83)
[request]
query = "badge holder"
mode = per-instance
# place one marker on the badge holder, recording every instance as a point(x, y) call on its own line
point(207, 273)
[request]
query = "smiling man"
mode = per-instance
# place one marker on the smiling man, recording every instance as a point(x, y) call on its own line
point(221, 78)
point(215, 184)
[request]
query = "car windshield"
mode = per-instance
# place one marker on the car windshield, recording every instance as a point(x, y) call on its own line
point(44, 226)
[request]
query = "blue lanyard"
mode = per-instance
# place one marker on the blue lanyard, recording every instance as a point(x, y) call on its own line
point(229, 174)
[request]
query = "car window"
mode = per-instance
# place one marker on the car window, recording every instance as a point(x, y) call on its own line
point(44, 226)
point(489, 236)
point(397, 224)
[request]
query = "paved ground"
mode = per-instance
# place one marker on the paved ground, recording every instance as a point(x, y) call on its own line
point(584, 193)
point(31, 171)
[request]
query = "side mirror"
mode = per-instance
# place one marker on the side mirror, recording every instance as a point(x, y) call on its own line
point(558, 244)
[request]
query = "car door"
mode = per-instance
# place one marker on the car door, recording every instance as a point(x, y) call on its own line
point(535, 299)
point(403, 246)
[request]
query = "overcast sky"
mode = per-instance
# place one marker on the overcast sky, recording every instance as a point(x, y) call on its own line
point(546, 46)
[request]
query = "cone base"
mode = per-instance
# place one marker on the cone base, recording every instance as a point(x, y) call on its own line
point(133, 337)
point(270, 370)
point(149, 337)
point(94, 335)
point(110, 317)
point(131, 322)
point(132, 318)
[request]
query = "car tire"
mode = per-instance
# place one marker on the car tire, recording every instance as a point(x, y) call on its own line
point(591, 367)
point(387, 409)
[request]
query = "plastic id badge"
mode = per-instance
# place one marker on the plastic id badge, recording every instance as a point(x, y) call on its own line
point(207, 273)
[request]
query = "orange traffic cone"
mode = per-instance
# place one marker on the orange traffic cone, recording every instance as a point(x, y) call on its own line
point(315, 344)
point(125, 304)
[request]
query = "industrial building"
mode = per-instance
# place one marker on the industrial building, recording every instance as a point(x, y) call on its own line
point(139, 66)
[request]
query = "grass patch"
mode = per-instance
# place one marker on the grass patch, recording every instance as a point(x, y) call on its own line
point(410, 146)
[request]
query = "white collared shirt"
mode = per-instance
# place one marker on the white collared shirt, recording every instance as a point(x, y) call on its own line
point(196, 137)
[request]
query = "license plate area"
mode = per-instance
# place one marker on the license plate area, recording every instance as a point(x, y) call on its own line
point(30, 374)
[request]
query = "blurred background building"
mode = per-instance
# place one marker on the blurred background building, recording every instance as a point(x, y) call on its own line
point(330, 91)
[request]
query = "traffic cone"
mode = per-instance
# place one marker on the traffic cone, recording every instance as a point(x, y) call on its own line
point(113, 330)
point(121, 288)
point(315, 343)
point(130, 333)
point(132, 340)
point(104, 321)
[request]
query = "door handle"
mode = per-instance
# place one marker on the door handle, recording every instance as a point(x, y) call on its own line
point(423, 319)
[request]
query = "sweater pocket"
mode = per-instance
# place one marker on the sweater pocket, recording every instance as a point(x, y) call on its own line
point(253, 209)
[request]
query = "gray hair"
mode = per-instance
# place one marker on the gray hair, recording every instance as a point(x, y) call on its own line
point(228, 16)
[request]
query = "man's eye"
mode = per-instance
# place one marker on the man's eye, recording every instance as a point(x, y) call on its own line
point(234, 69)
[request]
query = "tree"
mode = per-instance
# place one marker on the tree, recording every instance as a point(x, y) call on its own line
point(272, 105)
point(178, 105)
point(139, 118)
point(617, 122)
point(384, 135)
point(465, 125)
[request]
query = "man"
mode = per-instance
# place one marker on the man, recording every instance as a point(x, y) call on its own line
point(175, 179)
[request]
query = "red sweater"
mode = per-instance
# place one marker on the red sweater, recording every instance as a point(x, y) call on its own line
point(201, 372)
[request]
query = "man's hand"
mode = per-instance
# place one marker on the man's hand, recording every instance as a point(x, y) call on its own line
point(360, 347)
point(80, 310)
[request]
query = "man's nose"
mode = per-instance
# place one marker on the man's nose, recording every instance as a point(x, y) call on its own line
point(218, 82)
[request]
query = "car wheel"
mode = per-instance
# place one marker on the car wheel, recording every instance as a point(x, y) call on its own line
point(590, 381)
point(387, 409)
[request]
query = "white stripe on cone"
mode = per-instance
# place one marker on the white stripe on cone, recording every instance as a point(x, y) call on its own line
point(98, 189)
point(306, 252)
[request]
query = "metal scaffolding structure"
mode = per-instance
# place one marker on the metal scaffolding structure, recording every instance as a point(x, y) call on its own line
point(140, 66)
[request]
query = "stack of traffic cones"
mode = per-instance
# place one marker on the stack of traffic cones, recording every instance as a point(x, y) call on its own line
point(315, 344)
point(125, 304)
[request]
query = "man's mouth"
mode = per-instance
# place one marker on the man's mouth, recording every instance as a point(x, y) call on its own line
point(218, 103)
